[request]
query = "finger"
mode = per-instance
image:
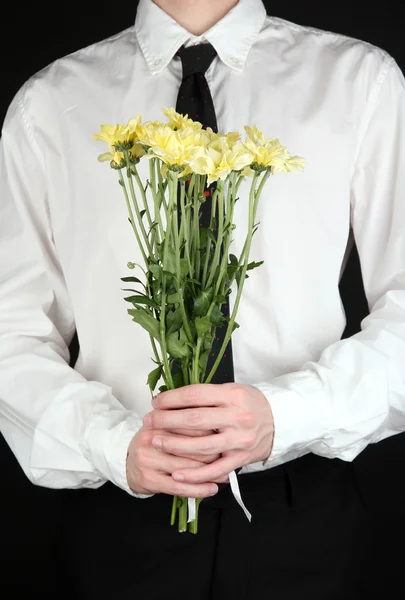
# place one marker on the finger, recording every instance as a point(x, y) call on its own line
point(168, 463)
point(184, 446)
point(159, 483)
point(197, 394)
point(190, 432)
point(189, 419)
point(214, 471)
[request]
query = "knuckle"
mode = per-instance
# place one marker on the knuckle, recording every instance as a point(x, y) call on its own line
point(140, 458)
point(208, 450)
point(238, 393)
point(249, 441)
point(188, 394)
point(193, 417)
point(246, 419)
point(179, 490)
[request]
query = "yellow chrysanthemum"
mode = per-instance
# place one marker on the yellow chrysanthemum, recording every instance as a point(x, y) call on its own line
point(179, 121)
point(176, 148)
point(112, 156)
point(113, 134)
point(288, 164)
point(270, 153)
point(220, 159)
point(118, 158)
point(143, 131)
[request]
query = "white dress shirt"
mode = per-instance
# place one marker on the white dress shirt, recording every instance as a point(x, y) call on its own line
point(65, 242)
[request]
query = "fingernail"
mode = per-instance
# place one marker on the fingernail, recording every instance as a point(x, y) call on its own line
point(155, 401)
point(178, 477)
point(213, 490)
point(157, 442)
point(147, 420)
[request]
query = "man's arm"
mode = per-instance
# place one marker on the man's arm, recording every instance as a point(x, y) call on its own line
point(64, 430)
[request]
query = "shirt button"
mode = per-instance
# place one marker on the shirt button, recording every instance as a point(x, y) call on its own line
point(157, 62)
point(235, 60)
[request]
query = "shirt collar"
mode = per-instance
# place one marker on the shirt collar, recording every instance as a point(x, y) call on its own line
point(159, 36)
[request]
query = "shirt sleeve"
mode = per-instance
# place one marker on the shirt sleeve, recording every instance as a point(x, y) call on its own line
point(65, 431)
point(355, 393)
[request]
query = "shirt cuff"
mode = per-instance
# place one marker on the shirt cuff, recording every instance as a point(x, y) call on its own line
point(105, 445)
point(301, 417)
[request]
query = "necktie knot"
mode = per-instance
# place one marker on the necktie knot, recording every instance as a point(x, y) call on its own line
point(196, 59)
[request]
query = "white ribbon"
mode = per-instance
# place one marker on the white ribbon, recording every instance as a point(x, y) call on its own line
point(233, 480)
point(191, 510)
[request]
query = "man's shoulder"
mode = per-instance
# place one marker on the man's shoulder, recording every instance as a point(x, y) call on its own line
point(66, 81)
point(97, 61)
point(329, 45)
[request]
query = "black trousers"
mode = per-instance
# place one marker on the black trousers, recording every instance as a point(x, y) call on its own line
point(309, 538)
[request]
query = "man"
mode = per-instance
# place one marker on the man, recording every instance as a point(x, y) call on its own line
point(305, 403)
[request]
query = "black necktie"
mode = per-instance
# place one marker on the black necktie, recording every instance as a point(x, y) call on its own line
point(195, 100)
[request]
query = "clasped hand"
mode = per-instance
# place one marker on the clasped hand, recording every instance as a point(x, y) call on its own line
point(196, 435)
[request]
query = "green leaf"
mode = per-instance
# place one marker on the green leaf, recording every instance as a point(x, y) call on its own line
point(202, 325)
point(173, 320)
point(156, 271)
point(254, 265)
point(233, 259)
point(178, 380)
point(142, 212)
point(154, 377)
point(220, 299)
point(159, 250)
point(163, 388)
point(183, 267)
point(132, 280)
point(235, 326)
point(231, 270)
point(177, 345)
point(217, 318)
point(195, 281)
point(212, 236)
point(202, 361)
point(171, 260)
point(146, 320)
point(142, 300)
point(173, 298)
point(202, 303)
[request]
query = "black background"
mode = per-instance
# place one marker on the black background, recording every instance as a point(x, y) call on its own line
point(33, 35)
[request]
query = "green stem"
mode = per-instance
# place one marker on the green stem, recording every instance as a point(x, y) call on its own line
point(228, 235)
point(136, 207)
point(196, 359)
point(174, 511)
point(184, 368)
point(157, 215)
point(143, 194)
point(157, 358)
point(163, 310)
point(185, 224)
point(162, 189)
point(183, 515)
point(178, 269)
point(215, 260)
point(252, 205)
point(196, 231)
point(208, 250)
point(138, 239)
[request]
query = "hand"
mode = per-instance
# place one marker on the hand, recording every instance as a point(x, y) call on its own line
point(149, 470)
point(240, 413)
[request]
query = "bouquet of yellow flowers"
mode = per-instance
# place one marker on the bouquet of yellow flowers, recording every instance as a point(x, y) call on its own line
point(188, 270)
